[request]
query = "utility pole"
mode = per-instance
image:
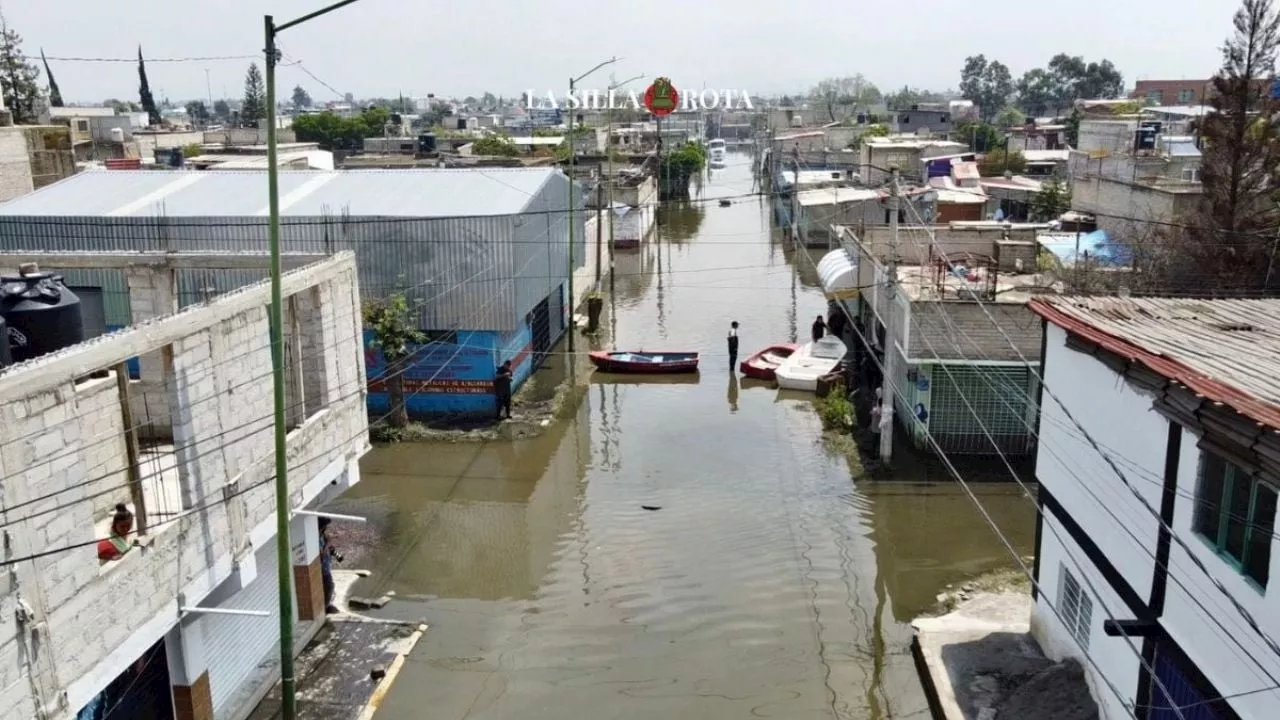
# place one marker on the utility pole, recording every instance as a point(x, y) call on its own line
point(890, 333)
point(599, 231)
point(208, 87)
point(284, 514)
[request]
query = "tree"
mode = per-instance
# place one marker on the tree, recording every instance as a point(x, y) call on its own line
point(870, 131)
point(996, 163)
point(144, 92)
point(1073, 127)
point(989, 85)
point(301, 98)
point(18, 79)
point(222, 111)
point(844, 93)
point(198, 113)
point(55, 94)
point(1071, 79)
point(980, 136)
point(1035, 91)
point(394, 334)
point(1010, 117)
point(908, 96)
point(334, 132)
point(494, 145)
point(1231, 240)
point(254, 106)
point(1051, 202)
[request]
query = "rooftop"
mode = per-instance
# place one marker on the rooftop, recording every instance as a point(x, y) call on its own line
point(835, 196)
point(419, 193)
point(813, 177)
point(920, 282)
point(1224, 350)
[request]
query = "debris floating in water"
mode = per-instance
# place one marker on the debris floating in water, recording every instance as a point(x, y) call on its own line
point(651, 507)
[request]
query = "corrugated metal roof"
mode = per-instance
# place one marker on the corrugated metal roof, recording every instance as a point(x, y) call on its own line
point(1225, 350)
point(418, 193)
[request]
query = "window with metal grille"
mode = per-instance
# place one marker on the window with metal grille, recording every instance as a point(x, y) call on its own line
point(1076, 608)
point(1235, 514)
point(972, 405)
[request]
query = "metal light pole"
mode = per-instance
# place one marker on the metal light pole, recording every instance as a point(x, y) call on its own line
point(608, 149)
point(284, 560)
point(573, 153)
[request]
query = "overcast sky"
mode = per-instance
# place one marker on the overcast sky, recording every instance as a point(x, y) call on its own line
point(384, 47)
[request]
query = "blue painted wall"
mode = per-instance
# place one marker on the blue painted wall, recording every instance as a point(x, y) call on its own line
point(445, 378)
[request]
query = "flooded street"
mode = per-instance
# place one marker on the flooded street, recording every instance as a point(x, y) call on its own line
point(677, 548)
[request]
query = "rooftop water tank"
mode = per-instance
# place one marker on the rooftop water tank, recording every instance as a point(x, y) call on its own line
point(117, 135)
point(41, 313)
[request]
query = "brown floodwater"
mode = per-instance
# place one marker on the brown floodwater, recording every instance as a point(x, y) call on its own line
point(677, 548)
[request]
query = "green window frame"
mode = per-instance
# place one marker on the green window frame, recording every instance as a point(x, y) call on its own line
point(1235, 515)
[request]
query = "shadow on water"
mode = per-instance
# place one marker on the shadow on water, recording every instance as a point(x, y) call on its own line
point(679, 547)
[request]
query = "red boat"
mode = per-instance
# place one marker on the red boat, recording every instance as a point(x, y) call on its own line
point(650, 363)
point(761, 365)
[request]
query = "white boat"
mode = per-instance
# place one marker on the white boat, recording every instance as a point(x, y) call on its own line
point(715, 151)
point(812, 361)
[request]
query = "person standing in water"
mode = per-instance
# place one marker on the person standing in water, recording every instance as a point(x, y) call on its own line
point(733, 345)
point(502, 389)
point(819, 328)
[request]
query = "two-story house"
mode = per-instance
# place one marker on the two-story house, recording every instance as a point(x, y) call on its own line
point(1158, 470)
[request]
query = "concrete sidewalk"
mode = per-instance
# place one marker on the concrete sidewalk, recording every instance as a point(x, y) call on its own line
point(980, 662)
point(348, 667)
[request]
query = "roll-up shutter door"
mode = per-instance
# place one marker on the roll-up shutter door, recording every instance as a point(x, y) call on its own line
point(237, 645)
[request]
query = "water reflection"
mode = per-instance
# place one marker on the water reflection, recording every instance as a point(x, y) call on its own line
point(766, 578)
point(680, 221)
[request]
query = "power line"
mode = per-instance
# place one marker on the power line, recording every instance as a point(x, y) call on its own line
point(134, 60)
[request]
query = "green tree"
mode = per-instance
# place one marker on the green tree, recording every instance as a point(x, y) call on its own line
point(254, 106)
point(1051, 202)
point(301, 98)
point(1071, 79)
point(494, 145)
point(1073, 128)
point(18, 79)
point(55, 94)
point(870, 131)
point(198, 113)
point(980, 136)
point(996, 163)
point(395, 333)
point(1232, 239)
point(906, 97)
point(192, 150)
point(222, 111)
point(987, 84)
point(1010, 117)
point(842, 94)
point(1035, 90)
point(144, 92)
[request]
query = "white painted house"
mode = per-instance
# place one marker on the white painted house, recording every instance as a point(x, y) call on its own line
point(1180, 401)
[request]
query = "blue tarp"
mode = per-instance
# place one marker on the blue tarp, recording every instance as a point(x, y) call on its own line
point(1097, 246)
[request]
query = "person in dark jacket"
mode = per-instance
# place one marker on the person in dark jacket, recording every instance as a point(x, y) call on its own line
point(819, 328)
point(733, 345)
point(327, 555)
point(502, 389)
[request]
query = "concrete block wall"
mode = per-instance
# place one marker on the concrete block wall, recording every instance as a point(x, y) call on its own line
point(86, 617)
point(15, 164)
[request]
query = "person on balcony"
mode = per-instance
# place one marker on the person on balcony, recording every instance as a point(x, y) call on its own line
point(117, 542)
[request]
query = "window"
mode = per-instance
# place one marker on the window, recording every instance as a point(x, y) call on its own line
point(888, 216)
point(1191, 174)
point(905, 119)
point(82, 126)
point(1186, 96)
point(1156, 96)
point(1235, 514)
point(1076, 608)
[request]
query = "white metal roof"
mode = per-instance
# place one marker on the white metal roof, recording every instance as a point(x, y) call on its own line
point(419, 193)
point(1047, 155)
point(838, 272)
point(835, 196)
point(960, 197)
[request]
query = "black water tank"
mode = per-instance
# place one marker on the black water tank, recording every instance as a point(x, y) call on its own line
point(4, 343)
point(41, 313)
